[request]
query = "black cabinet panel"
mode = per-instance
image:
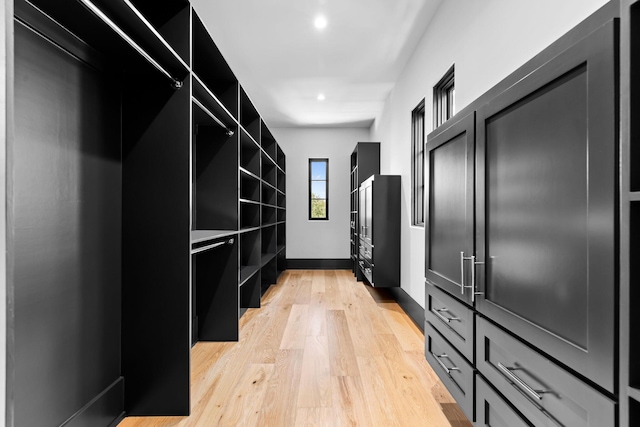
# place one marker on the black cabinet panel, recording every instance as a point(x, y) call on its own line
point(545, 207)
point(449, 207)
point(541, 390)
point(65, 194)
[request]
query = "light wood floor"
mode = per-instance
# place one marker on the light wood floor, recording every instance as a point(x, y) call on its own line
point(323, 350)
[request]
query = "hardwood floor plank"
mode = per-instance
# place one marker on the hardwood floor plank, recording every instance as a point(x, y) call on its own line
point(341, 353)
point(349, 401)
point(317, 324)
point(245, 406)
point(315, 417)
point(315, 381)
point(296, 331)
point(267, 349)
point(402, 327)
point(318, 283)
point(279, 408)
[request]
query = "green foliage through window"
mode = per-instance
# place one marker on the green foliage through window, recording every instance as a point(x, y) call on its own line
point(318, 189)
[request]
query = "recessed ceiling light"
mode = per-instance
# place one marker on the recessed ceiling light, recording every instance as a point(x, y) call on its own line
point(320, 22)
point(321, 97)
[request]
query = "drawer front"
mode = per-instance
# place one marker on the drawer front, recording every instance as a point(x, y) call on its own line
point(492, 410)
point(367, 270)
point(538, 388)
point(366, 251)
point(452, 368)
point(454, 320)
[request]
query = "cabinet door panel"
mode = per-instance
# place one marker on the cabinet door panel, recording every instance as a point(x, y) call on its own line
point(449, 207)
point(546, 207)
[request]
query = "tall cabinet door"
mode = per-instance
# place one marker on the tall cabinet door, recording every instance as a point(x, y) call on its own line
point(362, 213)
point(546, 215)
point(449, 210)
point(368, 212)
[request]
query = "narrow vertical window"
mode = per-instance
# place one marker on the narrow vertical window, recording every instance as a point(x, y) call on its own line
point(318, 189)
point(444, 94)
point(417, 164)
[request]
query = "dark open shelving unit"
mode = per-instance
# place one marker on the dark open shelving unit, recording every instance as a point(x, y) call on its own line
point(162, 244)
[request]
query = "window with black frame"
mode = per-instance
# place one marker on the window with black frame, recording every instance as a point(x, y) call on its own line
point(417, 165)
point(318, 189)
point(444, 98)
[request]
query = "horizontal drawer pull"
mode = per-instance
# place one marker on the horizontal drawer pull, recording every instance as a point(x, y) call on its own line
point(438, 312)
point(441, 363)
point(507, 371)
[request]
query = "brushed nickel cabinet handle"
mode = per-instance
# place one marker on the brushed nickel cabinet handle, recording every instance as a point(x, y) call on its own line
point(514, 378)
point(438, 312)
point(441, 363)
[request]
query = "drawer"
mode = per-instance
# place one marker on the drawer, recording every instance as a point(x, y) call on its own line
point(454, 320)
point(492, 410)
point(367, 270)
point(538, 388)
point(452, 368)
point(366, 251)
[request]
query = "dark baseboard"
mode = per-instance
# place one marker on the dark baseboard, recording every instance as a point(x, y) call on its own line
point(104, 409)
point(319, 264)
point(409, 305)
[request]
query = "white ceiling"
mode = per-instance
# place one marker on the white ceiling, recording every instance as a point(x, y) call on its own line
point(284, 62)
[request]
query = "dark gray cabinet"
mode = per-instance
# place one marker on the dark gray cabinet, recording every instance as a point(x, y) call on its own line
point(365, 161)
point(379, 237)
point(521, 229)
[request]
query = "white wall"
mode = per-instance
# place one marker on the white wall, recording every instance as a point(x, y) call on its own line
point(486, 40)
point(318, 239)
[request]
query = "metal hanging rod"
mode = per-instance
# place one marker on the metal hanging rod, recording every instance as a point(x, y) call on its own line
point(175, 83)
point(215, 245)
point(154, 31)
point(213, 117)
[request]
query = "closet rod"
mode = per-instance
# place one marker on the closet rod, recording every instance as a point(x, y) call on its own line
point(153, 30)
point(213, 116)
point(215, 245)
point(175, 83)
